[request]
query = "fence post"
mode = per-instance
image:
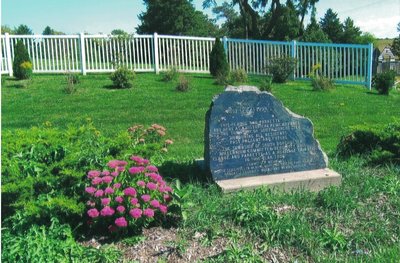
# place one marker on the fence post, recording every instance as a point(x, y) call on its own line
point(83, 53)
point(225, 42)
point(369, 73)
point(294, 56)
point(8, 54)
point(155, 53)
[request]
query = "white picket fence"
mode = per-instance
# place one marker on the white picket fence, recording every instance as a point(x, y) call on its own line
point(143, 53)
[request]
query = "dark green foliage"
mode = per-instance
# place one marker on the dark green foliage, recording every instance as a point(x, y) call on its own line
point(218, 62)
point(314, 33)
point(22, 30)
point(119, 32)
point(351, 34)
point(21, 55)
point(395, 47)
point(287, 26)
point(51, 244)
point(281, 68)
point(122, 78)
point(381, 143)
point(177, 17)
point(48, 31)
point(384, 81)
point(331, 25)
point(183, 84)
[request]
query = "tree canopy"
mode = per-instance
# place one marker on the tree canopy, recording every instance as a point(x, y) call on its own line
point(22, 30)
point(174, 17)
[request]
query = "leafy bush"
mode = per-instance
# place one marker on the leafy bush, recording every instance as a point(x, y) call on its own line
point(381, 143)
point(170, 75)
point(25, 70)
point(21, 55)
point(281, 68)
point(51, 244)
point(183, 84)
point(320, 82)
point(148, 142)
point(384, 81)
point(218, 62)
point(266, 84)
point(42, 167)
point(122, 78)
point(127, 197)
point(239, 75)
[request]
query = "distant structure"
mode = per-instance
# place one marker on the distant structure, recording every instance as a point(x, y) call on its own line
point(387, 61)
point(387, 55)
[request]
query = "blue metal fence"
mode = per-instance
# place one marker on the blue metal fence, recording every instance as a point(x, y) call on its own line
point(344, 63)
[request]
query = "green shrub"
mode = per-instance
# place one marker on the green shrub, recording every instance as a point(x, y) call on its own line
point(26, 70)
point(380, 143)
point(239, 75)
point(72, 81)
point(223, 79)
point(218, 62)
point(266, 84)
point(320, 82)
point(170, 75)
point(281, 68)
point(122, 78)
point(183, 84)
point(384, 81)
point(21, 55)
point(51, 244)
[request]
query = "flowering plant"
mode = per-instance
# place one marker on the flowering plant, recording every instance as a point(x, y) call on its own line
point(148, 141)
point(125, 196)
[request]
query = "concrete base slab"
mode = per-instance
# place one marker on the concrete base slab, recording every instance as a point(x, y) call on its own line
point(313, 180)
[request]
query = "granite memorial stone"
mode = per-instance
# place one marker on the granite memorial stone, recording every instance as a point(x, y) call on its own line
point(250, 133)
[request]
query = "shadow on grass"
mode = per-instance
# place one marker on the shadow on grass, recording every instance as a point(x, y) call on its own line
point(189, 172)
point(374, 93)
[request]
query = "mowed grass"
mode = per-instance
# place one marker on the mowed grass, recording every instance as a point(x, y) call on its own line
point(152, 100)
point(356, 222)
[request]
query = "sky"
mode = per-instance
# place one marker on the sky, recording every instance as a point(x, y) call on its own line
point(102, 16)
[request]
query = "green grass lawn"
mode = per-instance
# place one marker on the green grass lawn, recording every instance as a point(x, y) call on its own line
point(356, 222)
point(154, 101)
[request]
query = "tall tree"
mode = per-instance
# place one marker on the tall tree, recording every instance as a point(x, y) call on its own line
point(253, 11)
point(232, 26)
point(331, 25)
point(119, 32)
point(175, 17)
point(50, 31)
point(287, 24)
point(351, 34)
point(23, 30)
point(314, 33)
point(395, 47)
point(6, 29)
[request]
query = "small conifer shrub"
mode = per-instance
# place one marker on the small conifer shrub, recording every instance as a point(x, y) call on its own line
point(218, 62)
point(20, 58)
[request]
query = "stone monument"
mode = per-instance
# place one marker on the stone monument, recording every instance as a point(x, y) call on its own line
point(251, 139)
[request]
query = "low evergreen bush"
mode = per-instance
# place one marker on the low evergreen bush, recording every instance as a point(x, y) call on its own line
point(22, 65)
point(376, 143)
point(218, 62)
point(281, 68)
point(122, 78)
point(384, 81)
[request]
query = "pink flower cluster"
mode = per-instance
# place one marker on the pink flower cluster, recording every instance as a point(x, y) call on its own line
point(127, 195)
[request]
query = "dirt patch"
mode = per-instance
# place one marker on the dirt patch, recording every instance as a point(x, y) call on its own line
point(166, 244)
